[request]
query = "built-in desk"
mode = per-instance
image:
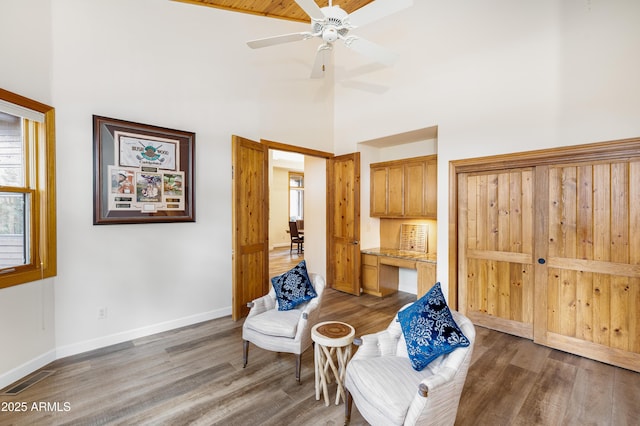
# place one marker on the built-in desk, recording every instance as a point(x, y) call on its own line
point(380, 270)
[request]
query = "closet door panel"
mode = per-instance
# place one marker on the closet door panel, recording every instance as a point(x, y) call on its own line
point(496, 260)
point(593, 264)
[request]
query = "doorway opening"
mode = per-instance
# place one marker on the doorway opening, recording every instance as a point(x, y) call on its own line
point(312, 164)
point(286, 204)
point(332, 186)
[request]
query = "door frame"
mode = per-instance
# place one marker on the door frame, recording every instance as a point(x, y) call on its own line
point(268, 145)
point(593, 152)
point(297, 149)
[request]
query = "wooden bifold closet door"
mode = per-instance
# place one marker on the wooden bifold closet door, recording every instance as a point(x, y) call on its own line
point(588, 267)
point(551, 252)
point(496, 263)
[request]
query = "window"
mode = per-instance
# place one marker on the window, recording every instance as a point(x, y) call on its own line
point(27, 190)
point(296, 196)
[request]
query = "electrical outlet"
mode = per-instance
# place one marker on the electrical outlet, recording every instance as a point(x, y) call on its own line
point(102, 313)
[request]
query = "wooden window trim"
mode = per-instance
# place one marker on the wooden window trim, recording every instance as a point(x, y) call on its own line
point(300, 188)
point(41, 177)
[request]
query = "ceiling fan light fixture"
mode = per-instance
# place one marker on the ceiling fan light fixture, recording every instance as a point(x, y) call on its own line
point(332, 23)
point(330, 34)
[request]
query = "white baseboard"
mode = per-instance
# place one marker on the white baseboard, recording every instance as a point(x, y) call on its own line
point(113, 339)
point(27, 368)
point(280, 245)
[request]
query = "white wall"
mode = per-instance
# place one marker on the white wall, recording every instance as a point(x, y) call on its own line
point(279, 208)
point(162, 63)
point(27, 330)
point(495, 76)
point(315, 213)
point(27, 75)
point(179, 66)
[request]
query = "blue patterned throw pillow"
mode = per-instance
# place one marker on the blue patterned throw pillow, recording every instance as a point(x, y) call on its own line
point(429, 329)
point(293, 287)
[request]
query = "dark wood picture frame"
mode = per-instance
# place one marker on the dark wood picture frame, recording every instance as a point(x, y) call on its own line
point(158, 188)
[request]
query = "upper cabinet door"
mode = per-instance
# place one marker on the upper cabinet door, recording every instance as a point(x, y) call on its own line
point(431, 189)
point(387, 191)
point(414, 177)
point(379, 192)
point(404, 188)
point(396, 190)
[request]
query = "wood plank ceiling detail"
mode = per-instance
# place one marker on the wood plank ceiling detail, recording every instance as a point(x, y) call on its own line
point(282, 9)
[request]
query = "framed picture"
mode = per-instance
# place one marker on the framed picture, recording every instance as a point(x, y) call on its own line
point(141, 173)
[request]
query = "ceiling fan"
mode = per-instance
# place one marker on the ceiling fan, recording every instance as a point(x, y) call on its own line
point(332, 23)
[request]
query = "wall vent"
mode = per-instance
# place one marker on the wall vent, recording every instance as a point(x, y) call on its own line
point(28, 382)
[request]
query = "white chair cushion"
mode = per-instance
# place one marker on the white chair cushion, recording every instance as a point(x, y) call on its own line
point(390, 383)
point(275, 323)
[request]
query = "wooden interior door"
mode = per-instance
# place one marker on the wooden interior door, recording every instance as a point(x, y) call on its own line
point(250, 223)
point(495, 234)
point(343, 223)
point(588, 261)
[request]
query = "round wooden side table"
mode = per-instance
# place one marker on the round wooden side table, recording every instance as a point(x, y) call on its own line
point(332, 339)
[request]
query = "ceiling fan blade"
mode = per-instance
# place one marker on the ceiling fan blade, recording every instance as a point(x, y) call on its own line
point(376, 10)
point(311, 8)
point(322, 61)
point(372, 50)
point(284, 38)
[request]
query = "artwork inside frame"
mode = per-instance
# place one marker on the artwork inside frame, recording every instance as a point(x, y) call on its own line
point(142, 173)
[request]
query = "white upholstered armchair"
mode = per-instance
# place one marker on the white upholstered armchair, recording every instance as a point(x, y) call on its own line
point(282, 331)
point(388, 391)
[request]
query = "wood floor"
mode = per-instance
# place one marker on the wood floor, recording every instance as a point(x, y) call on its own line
point(283, 259)
point(194, 375)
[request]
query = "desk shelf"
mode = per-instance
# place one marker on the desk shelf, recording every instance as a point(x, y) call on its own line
point(380, 270)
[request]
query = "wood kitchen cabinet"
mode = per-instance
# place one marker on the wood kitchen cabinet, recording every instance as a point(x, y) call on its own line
point(377, 279)
point(369, 265)
point(387, 188)
point(380, 274)
point(426, 277)
point(404, 188)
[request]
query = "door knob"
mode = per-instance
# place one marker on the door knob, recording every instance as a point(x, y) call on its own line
point(541, 261)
